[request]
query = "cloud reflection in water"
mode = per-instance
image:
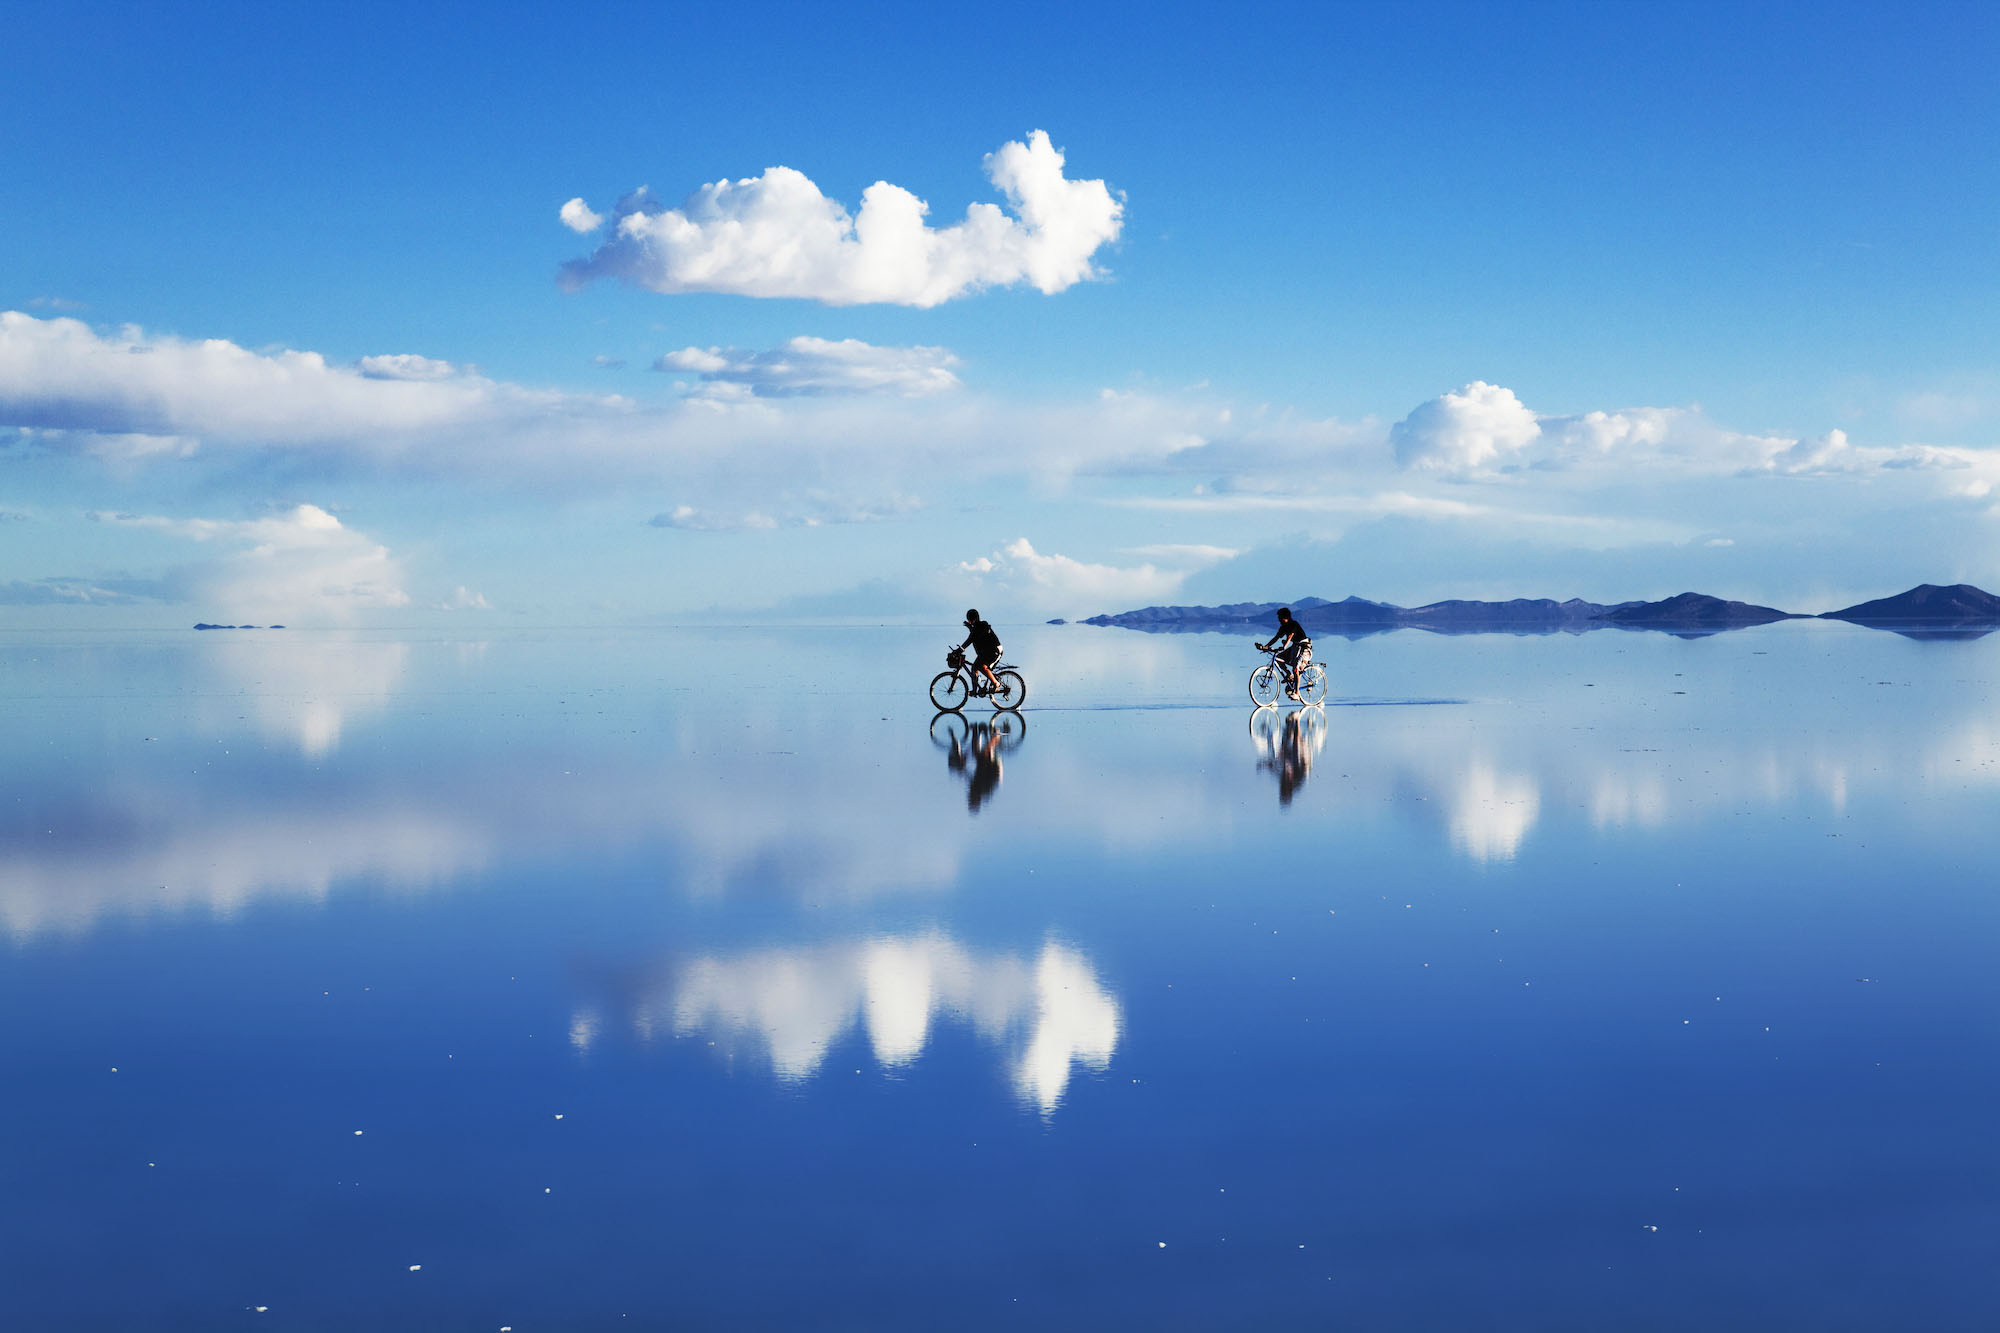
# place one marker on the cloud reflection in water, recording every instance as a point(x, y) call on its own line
point(1049, 1014)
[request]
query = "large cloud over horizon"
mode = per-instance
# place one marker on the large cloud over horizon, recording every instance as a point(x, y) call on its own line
point(778, 235)
point(302, 564)
point(1050, 581)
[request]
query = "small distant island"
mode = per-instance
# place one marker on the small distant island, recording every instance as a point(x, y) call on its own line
point(206, 625)
point(1959, 608)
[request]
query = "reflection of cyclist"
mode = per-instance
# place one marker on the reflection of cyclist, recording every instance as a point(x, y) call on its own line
point(1292, 644)
point(985, 645)
point(1289, 754)
point(1294, 759)
point(983, 749)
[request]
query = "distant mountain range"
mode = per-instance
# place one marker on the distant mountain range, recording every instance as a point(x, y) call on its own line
point(1960, 608)
point(1927, 604)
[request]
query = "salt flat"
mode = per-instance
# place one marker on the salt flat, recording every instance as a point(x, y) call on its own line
point(703, 978)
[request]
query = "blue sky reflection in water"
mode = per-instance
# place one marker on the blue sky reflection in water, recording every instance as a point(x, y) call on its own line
point(410, 983)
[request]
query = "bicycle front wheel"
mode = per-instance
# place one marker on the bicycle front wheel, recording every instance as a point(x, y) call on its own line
point(1312, 684)
point(1013, 691)
point(1266, 684)
point(948, 692)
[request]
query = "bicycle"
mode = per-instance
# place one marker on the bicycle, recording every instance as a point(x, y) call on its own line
point(950, 689)
point(1267, 682)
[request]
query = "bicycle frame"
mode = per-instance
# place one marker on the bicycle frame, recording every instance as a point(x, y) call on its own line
point(1291, 670)
point(975, 681)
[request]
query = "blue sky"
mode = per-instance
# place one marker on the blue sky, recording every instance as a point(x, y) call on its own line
point(1406, 301)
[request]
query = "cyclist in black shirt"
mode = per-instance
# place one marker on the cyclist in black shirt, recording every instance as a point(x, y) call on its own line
point(1291, 643)
point(985, 645)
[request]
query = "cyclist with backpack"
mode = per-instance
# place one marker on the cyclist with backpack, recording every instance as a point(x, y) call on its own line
point(1292, 645)
point(985, 645)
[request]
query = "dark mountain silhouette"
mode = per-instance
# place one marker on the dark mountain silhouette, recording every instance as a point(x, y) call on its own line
point(1355, 617)
point(1694, 610)
point(1519, 611)
point(1927, 610)
point(1926, 604)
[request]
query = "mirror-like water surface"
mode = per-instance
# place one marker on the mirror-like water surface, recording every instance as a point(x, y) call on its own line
point(705, 979)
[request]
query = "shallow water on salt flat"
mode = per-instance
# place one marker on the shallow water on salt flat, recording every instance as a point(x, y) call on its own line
point(702, 978)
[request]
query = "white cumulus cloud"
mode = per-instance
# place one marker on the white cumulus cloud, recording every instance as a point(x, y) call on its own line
point(808, 367)
point(578, 217)
point(1479, 426)
point(778, 235)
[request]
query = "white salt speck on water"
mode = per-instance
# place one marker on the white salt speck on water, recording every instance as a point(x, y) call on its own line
point(415, 1267)
point(1163, 1245)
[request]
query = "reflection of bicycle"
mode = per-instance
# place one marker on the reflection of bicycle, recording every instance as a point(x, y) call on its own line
point(1287, 744)
point(1268, 682)
point(951, 732)
point(950, 689)
point(1271, 731)
point(973, 750)
point(1009, 730)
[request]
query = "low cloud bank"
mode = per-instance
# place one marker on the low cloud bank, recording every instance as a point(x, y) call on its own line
point(301, 564)
point(815, 367)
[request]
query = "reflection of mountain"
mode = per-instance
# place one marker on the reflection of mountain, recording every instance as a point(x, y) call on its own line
point(797, 1003)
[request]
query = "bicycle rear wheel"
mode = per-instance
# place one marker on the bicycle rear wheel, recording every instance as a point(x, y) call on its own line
point(948, 692)
point(1266, 684)
point(1013, 691)
point(1312, 684)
